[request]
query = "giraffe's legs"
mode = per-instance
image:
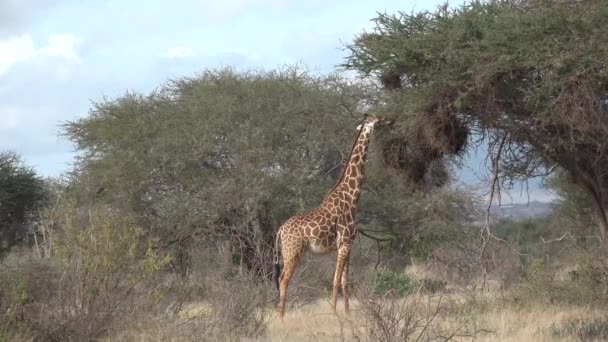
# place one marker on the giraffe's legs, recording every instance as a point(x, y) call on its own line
point(290, 266)
point(342, 258)
point(345, 284)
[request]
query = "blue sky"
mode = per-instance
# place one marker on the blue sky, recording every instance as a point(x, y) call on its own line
point(56, 56)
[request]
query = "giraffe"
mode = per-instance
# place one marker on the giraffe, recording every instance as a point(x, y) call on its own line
point(329, 227)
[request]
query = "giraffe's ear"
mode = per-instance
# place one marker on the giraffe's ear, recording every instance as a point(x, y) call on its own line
point(359, 127)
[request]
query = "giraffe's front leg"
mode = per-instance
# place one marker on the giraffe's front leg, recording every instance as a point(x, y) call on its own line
point(343, 252)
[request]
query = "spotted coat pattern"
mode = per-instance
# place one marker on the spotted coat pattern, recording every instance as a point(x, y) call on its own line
point(331, 226)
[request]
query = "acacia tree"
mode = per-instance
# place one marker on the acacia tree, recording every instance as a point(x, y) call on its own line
point(224, 155)
point(528, 75)
point(21, 192)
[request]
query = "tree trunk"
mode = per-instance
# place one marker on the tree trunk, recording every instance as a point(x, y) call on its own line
point(603, 226)
point(588, 182)
point(600, 215)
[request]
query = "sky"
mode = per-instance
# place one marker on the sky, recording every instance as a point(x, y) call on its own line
point(57, 56)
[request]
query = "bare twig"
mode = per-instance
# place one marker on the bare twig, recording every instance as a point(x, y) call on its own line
point(373, 237)
point(494, 154)
point(559, 239)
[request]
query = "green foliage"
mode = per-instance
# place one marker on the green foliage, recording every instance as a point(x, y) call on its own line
point(575, 210)
point(540, 280)
point(586, 284)
point(29, 284)
point(21, 193)
point(106, 253)
point(389, 282)
point(530, 74)
point(98, 273)
point(419, 222)
point(529, 232)
point(219, 155)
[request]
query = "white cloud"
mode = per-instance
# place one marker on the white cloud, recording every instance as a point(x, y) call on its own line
point(20, 49)
point(180, 52)
point(61, 45)
point(15, 50)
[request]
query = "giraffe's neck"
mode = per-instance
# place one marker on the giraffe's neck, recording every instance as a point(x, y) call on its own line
point(351, 180)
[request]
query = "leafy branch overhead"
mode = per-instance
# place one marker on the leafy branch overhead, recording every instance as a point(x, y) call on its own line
point(533, 71)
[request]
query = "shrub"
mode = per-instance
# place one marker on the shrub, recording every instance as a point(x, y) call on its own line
point(240, 306)
point(28, 285)
point(430, 285)
point(388, 282)
point(415, 318)
point(584, 330)
point(540, 280)
point(587, 284)
point(96, 277)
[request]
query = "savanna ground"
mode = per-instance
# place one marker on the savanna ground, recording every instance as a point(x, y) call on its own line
point(434, 309)
point(547, 291)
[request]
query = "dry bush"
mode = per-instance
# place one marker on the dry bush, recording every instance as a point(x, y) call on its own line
point(416, 318)
point(585, 284)
point(209, 304)
point(313, 280)
point(230, 309)
point(100, 275)
point(582, 329)
point(28, 285)
point(212, 303)
point(240, 306)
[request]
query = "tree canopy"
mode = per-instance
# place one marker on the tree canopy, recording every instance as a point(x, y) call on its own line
point(229, 155)
point(21, 192)
point(528, 76)
point(224, 153)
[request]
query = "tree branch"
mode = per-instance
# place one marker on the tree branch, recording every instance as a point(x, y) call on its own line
point(373, 237)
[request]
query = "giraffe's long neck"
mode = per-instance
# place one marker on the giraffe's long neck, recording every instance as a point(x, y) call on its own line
point(348, 187)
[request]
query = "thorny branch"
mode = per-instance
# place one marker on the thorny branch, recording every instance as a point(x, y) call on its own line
point(494, 154)
point(554, 240)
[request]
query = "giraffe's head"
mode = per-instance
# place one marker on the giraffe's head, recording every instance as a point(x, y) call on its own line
point(372, 121)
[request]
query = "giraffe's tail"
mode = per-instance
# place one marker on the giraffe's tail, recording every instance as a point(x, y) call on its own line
point(276, 271)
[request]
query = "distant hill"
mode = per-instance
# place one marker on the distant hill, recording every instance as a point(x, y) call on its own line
point(521, 211)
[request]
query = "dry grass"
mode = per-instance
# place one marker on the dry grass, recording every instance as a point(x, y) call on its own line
point(318, 323)
point(315, 322)
point(487, 318)
point(459, 313)
point(532, 324)
point(489, 315)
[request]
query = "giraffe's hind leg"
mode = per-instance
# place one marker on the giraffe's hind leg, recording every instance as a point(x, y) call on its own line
point(342, 258)
point(345, 292)
point(292, 250)
point(290, 266)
